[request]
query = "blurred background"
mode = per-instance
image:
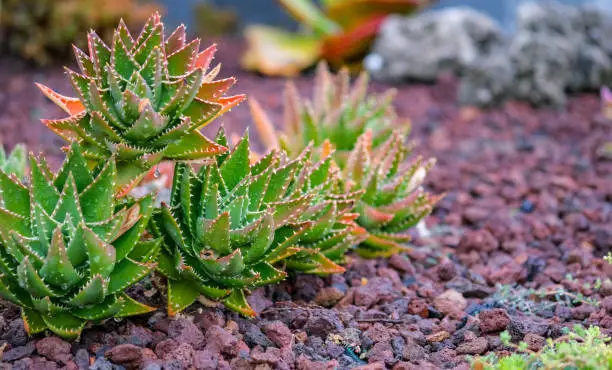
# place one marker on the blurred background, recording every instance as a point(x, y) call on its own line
point(268, 11)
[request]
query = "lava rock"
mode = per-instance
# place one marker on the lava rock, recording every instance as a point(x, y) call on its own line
point(152, 365)
point(398, 307)
point(54, 349)
point(328, 296)
point(304, 363)
point(252, 334)
point(402, 264)
point(381, 352)
point(270, 355)
point(351, 337)
point(606, 304)
point(473, 347)
point(418, 307)
point(81, 358)
point(19, 352)
point(185, 331)
point(101, 364)
point(278, 333)
point(16, 334)
point(534, 342)
point(181, 356)
point(451, 302)
point(307, 286)
point(469, 289)
point(376, 290)
point(258, 300)
point(219, 340)
point(139, 336)
point(446, 271)
point(323, 322)
point(493, 320)
point(477, 240)
point(377, 333)
point(205, 360)
point(413, 352)
point(128, 355)
point(519, 327)
point(165, 346)
point(206, 319)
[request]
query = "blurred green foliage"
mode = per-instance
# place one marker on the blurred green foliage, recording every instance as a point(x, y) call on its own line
point(211, 20)
point(42, 31)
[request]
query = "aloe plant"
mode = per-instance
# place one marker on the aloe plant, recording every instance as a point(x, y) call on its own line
point(367, 141)
point(394, 200)
point(233, 225)
point(68, 249)
point(339, 31)
point(333, 229)
point(337, 113)
point(16, 163)
point(142, 100)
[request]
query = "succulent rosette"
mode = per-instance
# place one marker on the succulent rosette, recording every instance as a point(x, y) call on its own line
point(142, 100)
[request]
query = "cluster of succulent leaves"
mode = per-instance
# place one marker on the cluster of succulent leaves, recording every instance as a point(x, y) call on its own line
point(16, 163)
point(369, 146)
point(339, 31)
point(579, 348)
point(338, 113)
point(42, 31)
point(73, 242)
point(70, 248)
point(236, 225)
point(142, 100)
point(394, 200)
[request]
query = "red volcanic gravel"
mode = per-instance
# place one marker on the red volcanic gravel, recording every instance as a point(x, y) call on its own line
point(528, 207)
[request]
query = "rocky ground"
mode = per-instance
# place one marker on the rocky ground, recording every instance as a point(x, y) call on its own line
point(515, 245)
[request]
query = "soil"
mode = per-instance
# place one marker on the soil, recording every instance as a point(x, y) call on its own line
point(516, 244)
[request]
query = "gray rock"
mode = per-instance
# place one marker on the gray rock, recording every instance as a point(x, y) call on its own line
point(560, 48)
point(595, 55)
point(422, 46)
point(521, 326)
point(487, 81)
point(81, 358)
point(470, 288)
point(543, 67)
point(18, 353)
point(321, 323)
point(101, 364)
point(598, 27)
point(549, 17)
point(593, 68)
point(152, 366)
point(252, 335)
point(556, 49)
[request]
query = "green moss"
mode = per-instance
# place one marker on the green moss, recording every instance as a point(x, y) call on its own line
point(580, 348)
